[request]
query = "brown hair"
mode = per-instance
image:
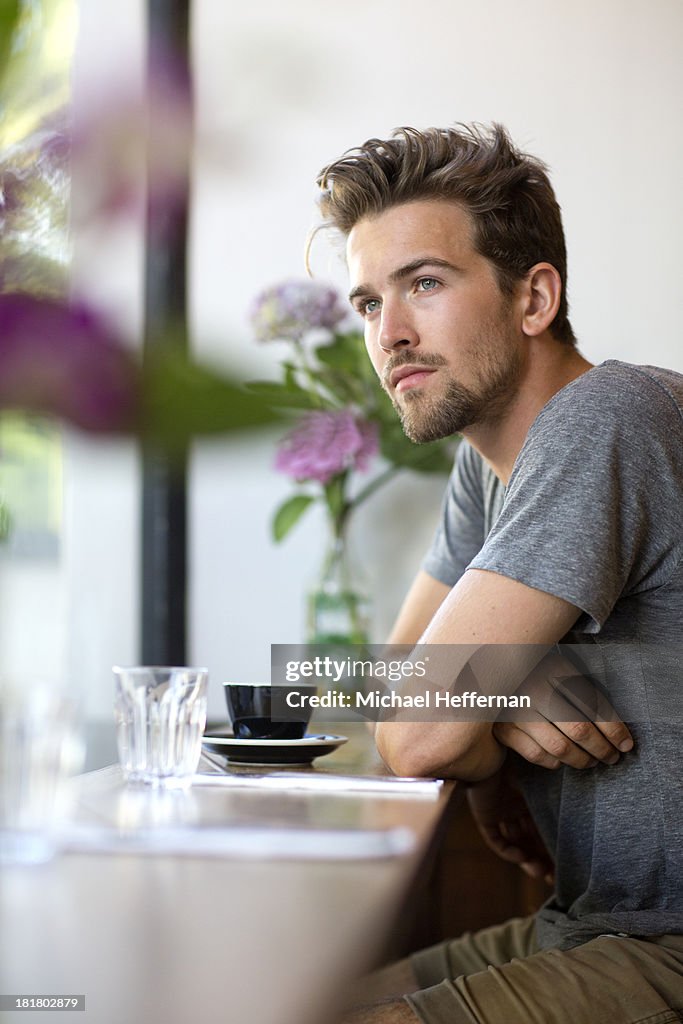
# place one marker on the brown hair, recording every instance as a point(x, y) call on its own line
point(516, 217)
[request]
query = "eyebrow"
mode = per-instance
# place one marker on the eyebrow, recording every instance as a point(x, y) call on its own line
point(405, 271)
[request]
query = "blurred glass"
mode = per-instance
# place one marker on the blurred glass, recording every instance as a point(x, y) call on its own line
point(160, 715)
point(41, 747)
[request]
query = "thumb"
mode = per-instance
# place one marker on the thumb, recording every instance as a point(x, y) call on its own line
point(533, 868)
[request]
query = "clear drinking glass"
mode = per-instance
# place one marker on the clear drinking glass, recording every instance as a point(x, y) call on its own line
point(160, 714)
point(41, 746)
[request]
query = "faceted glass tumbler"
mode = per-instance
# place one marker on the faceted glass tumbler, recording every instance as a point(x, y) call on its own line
point(160, 714)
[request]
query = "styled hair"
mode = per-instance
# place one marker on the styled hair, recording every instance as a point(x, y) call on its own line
point(516, 217)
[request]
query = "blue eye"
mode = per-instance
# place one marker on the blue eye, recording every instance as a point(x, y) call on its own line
point(427, 284)
point(369, 306)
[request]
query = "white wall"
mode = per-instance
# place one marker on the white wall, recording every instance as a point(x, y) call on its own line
point(594, 89)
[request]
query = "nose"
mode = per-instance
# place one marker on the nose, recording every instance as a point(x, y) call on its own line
point(396, 329)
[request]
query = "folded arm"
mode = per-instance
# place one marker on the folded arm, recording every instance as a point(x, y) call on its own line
point(482, 609)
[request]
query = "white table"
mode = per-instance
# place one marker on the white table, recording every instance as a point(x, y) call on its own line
point(176, 938)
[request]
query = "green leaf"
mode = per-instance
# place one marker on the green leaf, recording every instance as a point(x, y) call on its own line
point(182, 399)
point(346, 352)
point(432, 458)
point(281, 396)
point(5, 521)
point(345, 367)
point(291, 382)
point(342, 386)
point(9, 15)
point(399, 450)
point(289, 513)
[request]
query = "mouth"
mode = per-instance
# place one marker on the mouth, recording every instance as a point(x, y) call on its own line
point(406, 377)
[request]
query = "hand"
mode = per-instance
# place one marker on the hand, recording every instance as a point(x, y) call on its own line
point(503, 818)
point(575, 724)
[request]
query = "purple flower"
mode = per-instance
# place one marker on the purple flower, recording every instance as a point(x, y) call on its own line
point(290, 310)
point(64, 360)
point(10, 195)
point(326, 443)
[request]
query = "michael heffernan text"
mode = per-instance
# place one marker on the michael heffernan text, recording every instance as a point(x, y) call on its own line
point(393, 699)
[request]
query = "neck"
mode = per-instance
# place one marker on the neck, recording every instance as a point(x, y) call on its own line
point(548, 368)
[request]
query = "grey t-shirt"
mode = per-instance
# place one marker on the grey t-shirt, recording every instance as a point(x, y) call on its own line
point(593, 513)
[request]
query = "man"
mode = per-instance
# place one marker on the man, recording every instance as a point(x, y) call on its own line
point(561, 521)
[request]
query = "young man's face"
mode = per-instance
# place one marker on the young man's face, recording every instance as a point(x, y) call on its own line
point(438, 330)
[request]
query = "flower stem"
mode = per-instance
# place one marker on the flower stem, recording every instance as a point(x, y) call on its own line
point(308, 373)
point(375, 484)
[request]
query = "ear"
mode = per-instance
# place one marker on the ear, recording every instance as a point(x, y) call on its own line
point(540, 294)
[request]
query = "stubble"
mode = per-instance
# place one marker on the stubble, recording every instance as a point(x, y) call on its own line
point(448, 407)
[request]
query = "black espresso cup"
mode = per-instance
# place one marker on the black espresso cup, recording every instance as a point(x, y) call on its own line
point(259, 711)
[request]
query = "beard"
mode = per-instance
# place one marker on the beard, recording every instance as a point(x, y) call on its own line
point(436, 412)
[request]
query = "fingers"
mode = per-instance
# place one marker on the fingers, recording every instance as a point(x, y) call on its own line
point(538, 869)
point(505, 850)
point(530, 861)
point(504, 821)
point(590, 738)
point(575, 744)
point(510, 735)
point(617, 734)
point(580, 700)
point(578, 744)
point(578, 708)
point(533, 868)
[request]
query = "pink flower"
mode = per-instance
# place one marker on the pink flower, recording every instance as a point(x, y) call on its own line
point(326, 443)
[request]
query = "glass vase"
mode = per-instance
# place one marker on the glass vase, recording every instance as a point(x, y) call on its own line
point(338, 606)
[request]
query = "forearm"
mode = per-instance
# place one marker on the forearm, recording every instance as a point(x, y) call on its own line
point(488, 633)
point(450, 740)
point(453, 750)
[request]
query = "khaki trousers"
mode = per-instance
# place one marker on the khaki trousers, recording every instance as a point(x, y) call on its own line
point(499, 976)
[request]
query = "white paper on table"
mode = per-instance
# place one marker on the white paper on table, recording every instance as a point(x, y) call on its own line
point(240, 841)
point(389, 786)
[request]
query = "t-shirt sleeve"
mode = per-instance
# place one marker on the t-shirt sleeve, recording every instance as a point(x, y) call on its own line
point(461, 530)
point(592, 509)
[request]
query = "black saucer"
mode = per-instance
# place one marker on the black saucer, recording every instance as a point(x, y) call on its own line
point(289, 752)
